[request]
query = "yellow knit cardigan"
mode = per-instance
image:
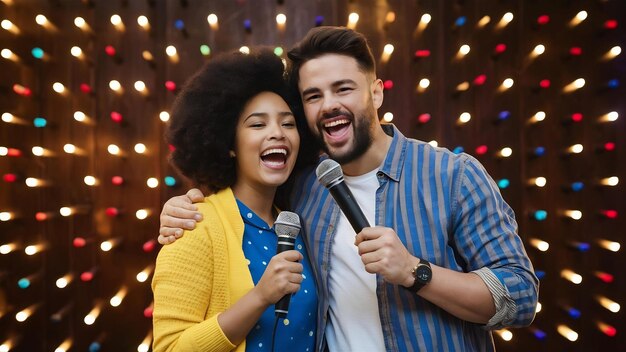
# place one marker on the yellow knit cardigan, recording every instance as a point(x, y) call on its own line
point(199, 276)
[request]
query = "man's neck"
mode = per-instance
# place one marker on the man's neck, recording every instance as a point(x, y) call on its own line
point(372, 158)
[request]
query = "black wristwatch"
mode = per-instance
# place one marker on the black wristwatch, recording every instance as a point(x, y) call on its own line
point(422, 274)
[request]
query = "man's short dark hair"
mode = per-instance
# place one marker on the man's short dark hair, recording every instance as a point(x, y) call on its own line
point(330, 40)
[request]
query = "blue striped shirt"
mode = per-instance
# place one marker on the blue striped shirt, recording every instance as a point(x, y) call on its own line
point(446, 209)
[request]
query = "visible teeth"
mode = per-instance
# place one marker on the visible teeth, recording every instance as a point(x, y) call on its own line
point(274, 151)
point(336, 123)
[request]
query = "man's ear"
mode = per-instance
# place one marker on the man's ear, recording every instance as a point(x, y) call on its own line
point(377, 93)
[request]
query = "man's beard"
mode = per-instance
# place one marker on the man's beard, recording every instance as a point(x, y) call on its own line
point(361, 142)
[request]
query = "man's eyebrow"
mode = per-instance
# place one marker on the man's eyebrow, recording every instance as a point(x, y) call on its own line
point(334, 85)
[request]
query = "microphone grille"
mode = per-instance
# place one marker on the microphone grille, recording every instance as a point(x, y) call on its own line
point(287, 224)
point(328, 171)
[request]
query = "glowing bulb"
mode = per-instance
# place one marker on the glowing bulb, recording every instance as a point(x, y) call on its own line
point(33, 182)
point(7, 54)
point(140, 148)
point(539, 49)
point(164, 116)
point(574, 214)
point(464, 49)
point(506, 84)
point(281, 19)
point(58, 87)
point(387, 51)
point(38, 151)
point(538, 117)
point(505, 152)
point(505, 334)
point(41, 20)
point(609, 245)
point(76, 51)
point(79, 116)
point(213, 21)
point(580, 16)
point(610, 117)
point(539, 244)
point(69, 148)
point(433, 143)
point(608, 304)
point(610, 181)
point(539, 306)
point(6, 216)
point(91, 317)
point(388, 117)
point(616, 50)
point(7, 248)
point(115, 85)
point(107, 245)
point(66, 211)
point(32, 249)
point(145, 274)
point(353, 18)
point(171, 50)
point(423, 84)
point(538, 181)
point(152, 182)
point(244, 50)
point(571, 276)
point(464, 118)
point(576, 149)
point(579, 83)
point(10, 27)
point(142, 214)
point(113, 149)
point(21, 316)
point(505, 20)
point(483, 21)
point(62, 282)
point(116, 300)
point(143, 22)
point(64, 346)
point(140, 86)
point(568, 333)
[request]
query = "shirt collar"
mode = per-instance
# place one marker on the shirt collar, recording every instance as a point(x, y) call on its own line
point(250, 218)
point(394, 161)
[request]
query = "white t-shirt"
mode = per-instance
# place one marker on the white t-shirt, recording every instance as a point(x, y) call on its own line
point(354, 321)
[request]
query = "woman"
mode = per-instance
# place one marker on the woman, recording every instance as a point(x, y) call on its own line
point(235, 136)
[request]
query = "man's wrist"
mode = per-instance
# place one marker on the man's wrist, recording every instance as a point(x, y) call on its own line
point(410, 278)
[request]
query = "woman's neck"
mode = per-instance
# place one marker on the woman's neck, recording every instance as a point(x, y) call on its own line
point(259, 199)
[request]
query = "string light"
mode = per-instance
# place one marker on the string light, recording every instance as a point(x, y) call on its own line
point(164, 116)
point(505, 334)
point(244, 50)
point(506, 84)
point(575, 85)
point(281, 19)
point(64, 346)
point(109, 244)
point(6, 216)
point(142, 214)
point(213, 21)
point(609, 245)
point(609, 117)
point(483, 21)
point(573, 214)
point(82, 24)
point(114, 150)
point(612, 53)
point(10, 118)
point(537, 50)
point(504, 152)
point(143, 22)
point(423, 23)
point(537, 181)
point(140, 87)
point(144, 346)
point(9, 55)
point(35, 182)
point(607, 329)
point(117, 22)
point(59, 88)
point(143, 275)
point(423, 84)
point(387, 51)
point(353, 19)
point(567, 333)
point(541, 245)
point(608, 304)
point(77, 52)
point(571, 276)
point(10, 27)
point(65, 280)
point(172, 54)
point(575, 149)
point(388, 117)
point(505, 20)
point(580, 16)
point(118, 298)
point(462, 52)
point(463, 118)
point(7, 248)
point(115, 86)
point(26, 313)
point(610, 181)
point(91, 317)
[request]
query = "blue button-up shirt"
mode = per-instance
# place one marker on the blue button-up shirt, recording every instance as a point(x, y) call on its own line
point(446, 209)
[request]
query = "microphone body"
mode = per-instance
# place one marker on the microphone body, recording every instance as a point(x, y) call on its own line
point(330, 175)
point(287, 227)
point(348, 205)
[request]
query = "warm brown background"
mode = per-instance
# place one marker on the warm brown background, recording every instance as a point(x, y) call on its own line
point(123, 328)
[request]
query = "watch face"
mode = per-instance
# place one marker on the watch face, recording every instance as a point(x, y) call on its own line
point(423, 273)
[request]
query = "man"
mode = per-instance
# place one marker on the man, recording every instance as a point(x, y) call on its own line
point(442, 266)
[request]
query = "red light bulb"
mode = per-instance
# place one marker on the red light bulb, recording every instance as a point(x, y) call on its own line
point(170, 85)
point(116, 117)
point(388, 84)
point(499, 49)
point(544, 83)
point(149, 246)
point(611, 214)
point(85, 88)
point(609, 146)
point(79, 242)
point(112, 211)
point(117, 180)
point(423, 118)
point(148, 312)
point(575, 51)
point(577, 117)
point(481, 149)
point(9, 177)
point(422, 53)
point(86, 276)
point(171, 147)
point(480, 80)
point(543, 19)
point(110, 50)
point(605, 277)
point(610, 24)
point(41, 216)
point(14, 152)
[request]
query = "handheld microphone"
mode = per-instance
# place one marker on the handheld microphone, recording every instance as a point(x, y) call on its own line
point(330, 175)
point(287, 226)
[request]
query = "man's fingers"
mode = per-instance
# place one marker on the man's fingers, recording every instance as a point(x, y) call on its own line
point(164, 240)
point(195, 195)
point(171, 214)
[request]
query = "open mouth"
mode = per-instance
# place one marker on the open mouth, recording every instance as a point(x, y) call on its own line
point(275, 157)
point(337, 128)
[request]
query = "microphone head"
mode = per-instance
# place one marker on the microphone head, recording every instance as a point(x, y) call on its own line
point(287, 224)
point(329, 172)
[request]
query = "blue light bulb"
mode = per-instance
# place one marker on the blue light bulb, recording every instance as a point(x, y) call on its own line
point(540, 215)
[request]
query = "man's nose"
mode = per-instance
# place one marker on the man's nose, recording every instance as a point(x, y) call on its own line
point(330, 104)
